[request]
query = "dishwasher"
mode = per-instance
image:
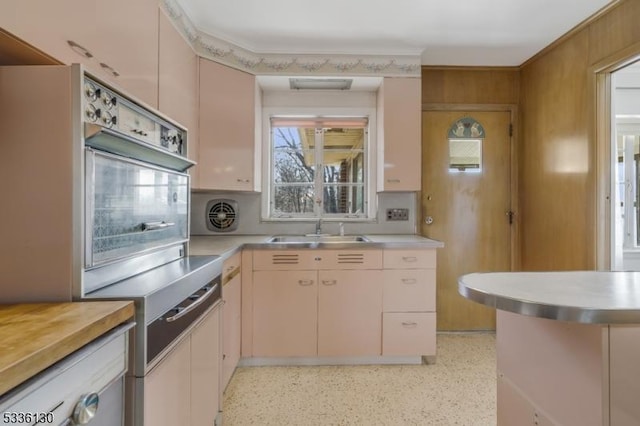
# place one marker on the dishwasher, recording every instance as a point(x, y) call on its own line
point(86, 387)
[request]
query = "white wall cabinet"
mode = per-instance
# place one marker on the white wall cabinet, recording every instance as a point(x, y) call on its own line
point(399, 130)
point(228, 157)
point(118, 36)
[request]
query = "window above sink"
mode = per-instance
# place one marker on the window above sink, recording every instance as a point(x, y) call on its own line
point(319, 166)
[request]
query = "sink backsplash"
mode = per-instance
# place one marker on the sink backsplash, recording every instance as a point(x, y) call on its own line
point(249, 222)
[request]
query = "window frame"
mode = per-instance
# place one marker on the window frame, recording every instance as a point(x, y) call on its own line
point(369, 215)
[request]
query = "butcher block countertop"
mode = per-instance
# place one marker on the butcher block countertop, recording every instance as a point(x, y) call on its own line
point(34, 336)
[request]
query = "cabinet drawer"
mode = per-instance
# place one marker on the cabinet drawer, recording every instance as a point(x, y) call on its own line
point(409, 290)
point(409, 334)
point(231, 267)
point(410, 259)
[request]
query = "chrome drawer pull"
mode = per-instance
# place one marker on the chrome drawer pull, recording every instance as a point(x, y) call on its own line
point(409, 280)
point(305, 282)
point(243, 180)
point(410, 258)
point(329, 282)
point(409, 324)
point(393, 180)
point(192, 306)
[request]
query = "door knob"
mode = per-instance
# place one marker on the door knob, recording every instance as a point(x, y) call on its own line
point(428, 220)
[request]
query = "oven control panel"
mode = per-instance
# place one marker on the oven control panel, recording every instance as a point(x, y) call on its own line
point(109, 109)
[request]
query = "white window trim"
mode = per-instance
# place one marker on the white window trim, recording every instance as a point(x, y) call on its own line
point(371, 155)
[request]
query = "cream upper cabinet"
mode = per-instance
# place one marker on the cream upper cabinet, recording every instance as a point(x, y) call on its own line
point(399, 141)
point(116, 37)
point(228, 157)
point(178, 84)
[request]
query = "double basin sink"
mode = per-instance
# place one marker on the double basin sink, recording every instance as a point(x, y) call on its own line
point(315, 239)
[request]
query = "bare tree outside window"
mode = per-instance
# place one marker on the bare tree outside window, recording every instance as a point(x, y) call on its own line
point(300, 153)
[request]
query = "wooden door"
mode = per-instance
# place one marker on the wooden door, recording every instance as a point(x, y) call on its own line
point(469, 211)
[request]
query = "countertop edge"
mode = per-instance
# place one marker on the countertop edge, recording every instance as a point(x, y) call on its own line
point(584, 315)
point(45, 356)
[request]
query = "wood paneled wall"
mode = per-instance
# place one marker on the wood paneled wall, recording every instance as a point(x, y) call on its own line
point(442, 85)
point(557, 170)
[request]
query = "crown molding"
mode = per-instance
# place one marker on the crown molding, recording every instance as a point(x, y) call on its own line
point(216, 49)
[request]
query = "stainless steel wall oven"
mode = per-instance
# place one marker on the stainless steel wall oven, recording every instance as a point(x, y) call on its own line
point(100, 210)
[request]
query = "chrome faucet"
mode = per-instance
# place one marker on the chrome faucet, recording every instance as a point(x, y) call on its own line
point(319, 227)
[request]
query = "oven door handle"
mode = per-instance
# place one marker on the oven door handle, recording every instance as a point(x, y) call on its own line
point(192, 306)
point(151, 226)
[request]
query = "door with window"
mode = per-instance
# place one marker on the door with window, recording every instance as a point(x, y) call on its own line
point(466, 203)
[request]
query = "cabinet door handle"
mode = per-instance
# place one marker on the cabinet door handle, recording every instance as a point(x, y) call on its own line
point(409, 280)
point(243, 180)
point(79, 49)
point(393, 180)
point(409, 324)
point(305, 282)
point(329, 282)
point(110, 70)
point(410, 259)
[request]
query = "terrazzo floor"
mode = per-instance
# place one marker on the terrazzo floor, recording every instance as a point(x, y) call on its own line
point(459, 389)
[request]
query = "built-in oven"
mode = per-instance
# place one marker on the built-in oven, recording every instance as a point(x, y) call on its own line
point(99, 207)
point(136, 233)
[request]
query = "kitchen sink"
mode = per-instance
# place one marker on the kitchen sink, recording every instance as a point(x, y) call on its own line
point(315, 238)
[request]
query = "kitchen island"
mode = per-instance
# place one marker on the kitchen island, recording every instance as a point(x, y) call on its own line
point(568, 345)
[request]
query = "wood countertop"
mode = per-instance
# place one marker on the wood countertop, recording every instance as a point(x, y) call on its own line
point(34, 336)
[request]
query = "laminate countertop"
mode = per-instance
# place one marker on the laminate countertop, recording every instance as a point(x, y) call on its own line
point(35, 336)
point(227, 245)
point(591, 297)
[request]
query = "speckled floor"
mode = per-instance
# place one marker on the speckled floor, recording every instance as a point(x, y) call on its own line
point(460, 389)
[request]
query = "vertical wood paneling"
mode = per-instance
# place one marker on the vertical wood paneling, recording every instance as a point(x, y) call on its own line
point(556, 165)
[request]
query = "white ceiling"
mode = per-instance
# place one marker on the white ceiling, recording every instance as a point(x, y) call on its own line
point(442, 32)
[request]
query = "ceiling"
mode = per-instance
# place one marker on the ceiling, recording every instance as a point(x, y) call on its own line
point(441, 32)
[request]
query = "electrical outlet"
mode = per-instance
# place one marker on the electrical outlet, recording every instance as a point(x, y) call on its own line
point(397, 214)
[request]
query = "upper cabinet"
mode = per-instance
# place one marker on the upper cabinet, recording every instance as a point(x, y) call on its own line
point(399, 142)
point(178, 84)
point(229, 152)
point(117, 41)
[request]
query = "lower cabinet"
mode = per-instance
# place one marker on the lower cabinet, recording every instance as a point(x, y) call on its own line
point(205, 370)
point(285, 313)
point(409, 303)
point(231, 316)
point(343, 303)
point(349, 308)
point(168, 388)
point(408, 333)
point(183, 389)
point(309, 303)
